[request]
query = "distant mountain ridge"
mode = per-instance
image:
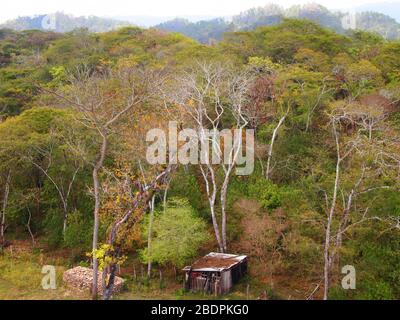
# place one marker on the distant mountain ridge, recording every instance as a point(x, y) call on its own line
point(210, 30)
point(390, 8)
point(272, 14)
point(60, 22)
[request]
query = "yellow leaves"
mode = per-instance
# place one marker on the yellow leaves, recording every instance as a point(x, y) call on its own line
point(105, 255)
point(118, 173)
point(127, 62)
point(190, 103)
point(263, 64)
point(122, 198)
point(104, 63)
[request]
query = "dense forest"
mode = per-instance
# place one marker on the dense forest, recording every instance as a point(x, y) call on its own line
point(76, 188)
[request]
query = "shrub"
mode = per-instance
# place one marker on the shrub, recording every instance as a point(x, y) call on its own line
point(178, 234)
point(268, 194)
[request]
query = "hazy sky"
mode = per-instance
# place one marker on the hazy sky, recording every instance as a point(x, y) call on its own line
point(15, 8)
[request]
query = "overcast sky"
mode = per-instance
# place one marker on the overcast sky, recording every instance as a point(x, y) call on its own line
point(15, 8)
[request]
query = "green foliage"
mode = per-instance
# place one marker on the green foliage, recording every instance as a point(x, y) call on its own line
point(58, 74)
point(178, 234)
point(375, 290)
point(53, 228)
point(362, 76)
point(306, 67)
point(263, 65)
point(78, 233)
point(28, 139)
point(268, 194)
point(388, 61)
point(187, 186)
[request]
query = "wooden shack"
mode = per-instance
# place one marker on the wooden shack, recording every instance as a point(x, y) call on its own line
point(215, 273)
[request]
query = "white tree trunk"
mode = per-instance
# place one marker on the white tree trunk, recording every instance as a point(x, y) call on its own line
point(271, 146)
point(4, 207)
point(223, 212)
point(96, 187)
point(150, 236)
point(327, 255)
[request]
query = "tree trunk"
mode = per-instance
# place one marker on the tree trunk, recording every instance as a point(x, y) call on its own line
point(223, 227)
point(327, 255)
point(344, 221)
point(28, 226)
point(216, 228)
point(109, 286)
point(150, 236)
point(65, 207)
point(224, 191)
point(271, 146)
point(3, 211)
point(96, 186)
point(165, 197)
point(142, 199)
point(211, 195)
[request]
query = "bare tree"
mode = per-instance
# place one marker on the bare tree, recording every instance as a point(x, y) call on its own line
point(340, 157)
point(361, 146)
point(62, 185)
point(322, 92)
point(28, 226)
point(207, 93)
point(102, 100)
point(271, 145)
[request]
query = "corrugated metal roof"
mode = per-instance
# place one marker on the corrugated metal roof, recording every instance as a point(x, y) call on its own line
point(216, 262)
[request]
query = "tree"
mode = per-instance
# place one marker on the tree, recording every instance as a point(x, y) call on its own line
point(360, 77)
point(23, 137)
point(178, 234)
point(63, 182)
point(4, 208)
point(102, 99)
point(133, 200)
point(129, 186)
point(366, 147)
point(214, 95)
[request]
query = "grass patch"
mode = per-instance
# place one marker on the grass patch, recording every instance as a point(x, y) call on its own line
point(21, 277)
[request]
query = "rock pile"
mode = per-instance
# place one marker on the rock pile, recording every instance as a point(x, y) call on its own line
point(81, 278)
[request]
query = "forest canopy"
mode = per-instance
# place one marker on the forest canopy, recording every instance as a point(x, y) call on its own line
point(75, 108)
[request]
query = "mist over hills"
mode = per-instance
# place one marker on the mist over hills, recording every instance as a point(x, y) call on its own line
point(150, 21)
point(272, 14)
point(61, 22)
point(390, 8)
point(208, 29)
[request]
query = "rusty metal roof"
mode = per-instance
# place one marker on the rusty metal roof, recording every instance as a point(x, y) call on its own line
point(215, 262)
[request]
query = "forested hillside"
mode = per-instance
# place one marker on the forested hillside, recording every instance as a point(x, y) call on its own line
point(272, 14)
point(76, 187)
point(61, 22)
point(208, 31)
